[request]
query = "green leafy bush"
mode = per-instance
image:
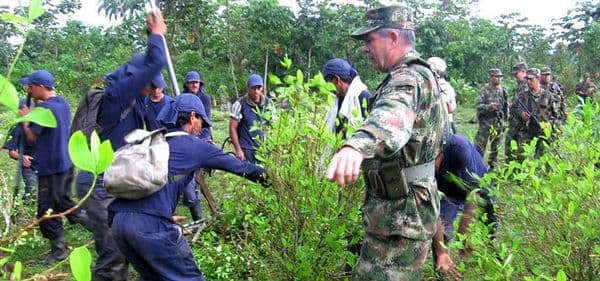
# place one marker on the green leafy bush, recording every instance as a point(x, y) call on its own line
point(550, 209)
point(300, 227)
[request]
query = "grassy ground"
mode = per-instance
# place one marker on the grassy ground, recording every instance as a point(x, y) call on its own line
point(33, 247)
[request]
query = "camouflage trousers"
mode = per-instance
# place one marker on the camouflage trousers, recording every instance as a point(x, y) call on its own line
point(391, 258)
point(493, 134)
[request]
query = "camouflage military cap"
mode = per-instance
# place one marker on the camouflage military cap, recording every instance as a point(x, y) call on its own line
point(384, 17)
point(518, 67)
point(496, 72)
point(586, 75)
point(546, 71)
point(533, 73)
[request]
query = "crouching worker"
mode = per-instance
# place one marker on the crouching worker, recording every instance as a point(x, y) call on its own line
point(457, 171)
point(144, 229)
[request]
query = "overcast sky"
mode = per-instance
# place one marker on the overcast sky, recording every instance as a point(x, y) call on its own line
point(538, 11)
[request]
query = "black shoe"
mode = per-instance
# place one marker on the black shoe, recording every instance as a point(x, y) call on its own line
point(58, 251)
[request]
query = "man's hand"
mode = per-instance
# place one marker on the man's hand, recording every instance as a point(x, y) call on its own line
point(156, 23)
point(344, 166)
point(178, 219)
point(24, 110)
point(27, 161)
point(524, 115)
point(446, 267)
point(240, 154)
point(493, 105)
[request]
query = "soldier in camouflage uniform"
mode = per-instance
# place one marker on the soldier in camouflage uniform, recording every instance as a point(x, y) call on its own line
point(559, 107)
point(398, 142)
point(519, 72)
point(533, 109)
point(492, 113)
point(586, 89)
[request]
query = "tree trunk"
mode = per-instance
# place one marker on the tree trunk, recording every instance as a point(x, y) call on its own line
point(265, 75)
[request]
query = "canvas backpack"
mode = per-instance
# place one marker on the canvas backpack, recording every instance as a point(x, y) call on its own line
point(86, 116)
point(140, 168)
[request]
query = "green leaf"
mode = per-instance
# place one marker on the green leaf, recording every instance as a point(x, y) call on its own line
point(8, 95)
point(41, 116)
point(18, 271)
point(299, 76)
point(80, 260)
point(274, 79)
point(561, 276)
point(4, 260)
point(106, 157)
point(12, 18)
point(80, 153)
point(36, 9)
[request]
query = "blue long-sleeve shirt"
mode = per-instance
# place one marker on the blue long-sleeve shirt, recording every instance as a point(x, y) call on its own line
point(187, 154)
point(123, 87)
point(462, 160)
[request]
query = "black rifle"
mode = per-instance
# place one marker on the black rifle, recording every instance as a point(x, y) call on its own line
point(534, 122)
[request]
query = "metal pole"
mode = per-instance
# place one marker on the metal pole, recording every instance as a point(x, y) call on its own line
point(170, 68)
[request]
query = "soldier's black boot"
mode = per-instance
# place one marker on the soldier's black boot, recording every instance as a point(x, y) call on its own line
point(196, 212)
point(58, 251)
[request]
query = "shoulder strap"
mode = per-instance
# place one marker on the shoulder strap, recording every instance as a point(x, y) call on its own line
point(175, 134)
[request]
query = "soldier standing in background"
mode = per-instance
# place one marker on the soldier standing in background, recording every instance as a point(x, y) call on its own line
point(398, 142)
point(531, 109)
point(586, 89)
point(492, 113)
point(559, 107)
point(519, 72)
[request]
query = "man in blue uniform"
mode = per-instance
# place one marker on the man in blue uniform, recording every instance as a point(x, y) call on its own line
point(351, 95)
point(144, 229)
point(195, 85)
point(457, 172)
point(155, 102)
point(245, 114)
point(53, 165)
point(14, 151)
point(122, 110)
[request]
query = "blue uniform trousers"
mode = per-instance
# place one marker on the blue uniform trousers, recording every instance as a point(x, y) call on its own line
point(54, 192)
point(30, 178)
point(110, 264)
point(155, 247)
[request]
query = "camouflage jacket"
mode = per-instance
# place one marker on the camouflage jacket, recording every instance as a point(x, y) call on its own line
point(514, 120)
point(489, 95)
point(559, 106)
point(539, 105)
point(406, 122)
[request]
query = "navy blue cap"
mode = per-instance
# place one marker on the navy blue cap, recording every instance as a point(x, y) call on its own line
point(183, 103)
point(254, 80)
point(159, 81)
point(193, 76)
point(339, 67)
point(39, 77)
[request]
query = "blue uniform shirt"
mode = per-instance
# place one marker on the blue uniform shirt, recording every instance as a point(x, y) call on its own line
point(187, 154)
point(16, 135)
point(206, 133)
point(152, 110)
point(461, 159)
point(245, 111)
point(51, 148)
point(123, 88)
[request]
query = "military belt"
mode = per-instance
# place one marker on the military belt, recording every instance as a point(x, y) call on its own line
point(420, 172)
point(390, 181)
